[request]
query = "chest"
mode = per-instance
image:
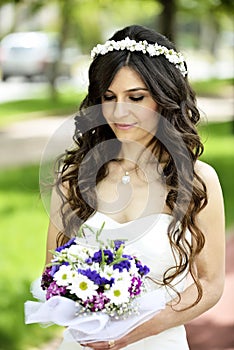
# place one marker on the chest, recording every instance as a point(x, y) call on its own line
point(127, 202)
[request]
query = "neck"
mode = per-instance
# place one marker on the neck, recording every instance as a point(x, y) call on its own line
point(133, 153)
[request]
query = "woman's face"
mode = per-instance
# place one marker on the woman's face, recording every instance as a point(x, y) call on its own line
point(129, 108)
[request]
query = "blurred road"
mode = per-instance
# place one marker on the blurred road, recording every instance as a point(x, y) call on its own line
point(20, 88)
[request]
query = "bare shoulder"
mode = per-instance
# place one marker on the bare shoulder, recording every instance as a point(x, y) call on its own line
point(207, 173)
point(213, 188)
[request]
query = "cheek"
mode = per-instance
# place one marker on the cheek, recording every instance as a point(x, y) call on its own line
point(153, 106)
point(149, 120)
point(108, 110)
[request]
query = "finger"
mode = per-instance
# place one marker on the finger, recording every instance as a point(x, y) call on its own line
point(99, 346)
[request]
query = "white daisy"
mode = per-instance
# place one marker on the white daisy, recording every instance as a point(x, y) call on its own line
point(118, 293)
point(64, 275)
point(83, 287)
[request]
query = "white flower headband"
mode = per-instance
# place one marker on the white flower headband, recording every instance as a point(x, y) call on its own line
point(143, 46)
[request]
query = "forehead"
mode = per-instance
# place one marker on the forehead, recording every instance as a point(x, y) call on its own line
point(126, 79)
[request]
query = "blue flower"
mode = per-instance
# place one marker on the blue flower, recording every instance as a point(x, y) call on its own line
point(95, 277)
point(125, 264)
point(97, 256)
point(66, 245)
point(55, 268)
point(129, 257)
point(118, 244)
point(89, 261)
point(143, 270)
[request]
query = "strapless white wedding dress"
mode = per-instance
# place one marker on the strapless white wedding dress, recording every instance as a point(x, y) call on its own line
point(147, 237)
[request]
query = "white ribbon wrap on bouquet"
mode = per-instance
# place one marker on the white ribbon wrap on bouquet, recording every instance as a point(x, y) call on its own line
point(93, 327)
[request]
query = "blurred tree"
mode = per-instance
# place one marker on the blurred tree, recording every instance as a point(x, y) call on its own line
point(167, 18)
point(96, 20)
point(4, 2)
point(209, 16)
point(16, 12)
point(207, 13)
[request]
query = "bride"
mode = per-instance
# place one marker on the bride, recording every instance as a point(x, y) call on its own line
point(135, 166)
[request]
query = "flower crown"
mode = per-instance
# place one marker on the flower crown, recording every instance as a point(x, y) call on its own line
point(142, 46)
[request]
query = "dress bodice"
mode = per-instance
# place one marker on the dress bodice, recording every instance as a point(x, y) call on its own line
point(147, 237)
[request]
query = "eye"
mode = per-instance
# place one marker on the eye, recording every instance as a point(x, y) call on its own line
point(108, 97)
point(137, 98)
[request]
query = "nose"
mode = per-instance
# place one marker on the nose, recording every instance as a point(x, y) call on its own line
point(121, 110)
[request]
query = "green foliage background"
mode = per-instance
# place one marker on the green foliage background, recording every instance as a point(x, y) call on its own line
point(22, 240)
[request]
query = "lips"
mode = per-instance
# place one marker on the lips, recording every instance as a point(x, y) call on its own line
point(124, 126)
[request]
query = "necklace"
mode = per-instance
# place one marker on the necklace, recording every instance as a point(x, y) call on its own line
point(126, 178)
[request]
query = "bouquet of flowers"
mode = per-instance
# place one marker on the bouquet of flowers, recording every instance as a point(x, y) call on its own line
point(94, 291)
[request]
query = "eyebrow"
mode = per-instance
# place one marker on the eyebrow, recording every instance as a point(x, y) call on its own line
point(131, 90)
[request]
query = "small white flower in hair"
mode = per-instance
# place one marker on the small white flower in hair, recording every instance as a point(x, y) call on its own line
point(171, 55)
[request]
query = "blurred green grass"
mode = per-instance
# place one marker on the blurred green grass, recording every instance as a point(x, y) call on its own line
point(23, 238)
point(218, 141)
point(214, 87)
point(66, 103)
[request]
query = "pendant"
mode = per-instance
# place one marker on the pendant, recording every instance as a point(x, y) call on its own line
point(126, 178)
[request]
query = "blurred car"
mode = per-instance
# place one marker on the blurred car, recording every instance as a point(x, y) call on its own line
point(30, 54)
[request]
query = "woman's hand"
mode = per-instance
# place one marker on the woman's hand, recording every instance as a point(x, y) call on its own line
point(105, 345)
point(140, 332)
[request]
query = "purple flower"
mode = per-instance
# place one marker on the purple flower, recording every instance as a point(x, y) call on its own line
point(118, 244)
point(129, 257)
point(66, 245)
point(97, 256)
point(135, 288)
point(54, 289)
point(56, 267)
point(89, 261)
point(97, 303)
point(143, 270)
point(125, 264)
point(46, 278)
point(95, 277)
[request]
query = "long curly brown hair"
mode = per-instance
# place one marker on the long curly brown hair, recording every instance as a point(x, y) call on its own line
point(176, 140)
